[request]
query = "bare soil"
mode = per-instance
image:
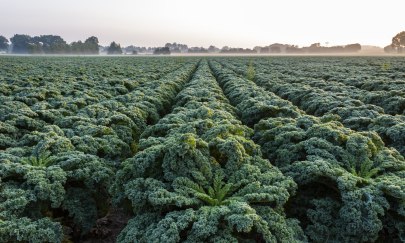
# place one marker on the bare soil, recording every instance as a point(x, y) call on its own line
point(108, 228)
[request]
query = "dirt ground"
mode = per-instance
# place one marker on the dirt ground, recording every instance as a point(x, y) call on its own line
point(108, 228)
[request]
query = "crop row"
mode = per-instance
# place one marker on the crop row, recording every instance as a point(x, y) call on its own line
point(30, 101)
point(392, 101)
point(352, 113)
point(351, 187)
point(200, 178)
point(367, 73)
point(61, 81)
point(58, 175)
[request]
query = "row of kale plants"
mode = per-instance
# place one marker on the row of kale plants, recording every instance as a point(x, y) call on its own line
point(367, 73)
point(352, 113)
point(198, 177)
point(351, 187)
point(391, 98)
point(55, 174)
point(31, 99)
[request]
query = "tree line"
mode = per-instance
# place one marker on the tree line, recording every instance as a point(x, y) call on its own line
point(48, 44)
point(54, 44)
point(397, 44)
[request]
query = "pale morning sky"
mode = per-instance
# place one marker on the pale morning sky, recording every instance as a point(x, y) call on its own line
point(234, 23)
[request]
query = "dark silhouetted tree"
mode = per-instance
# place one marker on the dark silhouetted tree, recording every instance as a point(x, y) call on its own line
point(275, 49)
point(52, 44)
point(352, 47)
point(91, 45)
point(21, 43)
point(265, 49)
point(197, 50)
point(225, 49)
point(398, 42)
point(177, 47)
point(213, 49)
point(162, 51)
point(49, 44)
point(3, 43)
point(77, 47)
point(114, 49)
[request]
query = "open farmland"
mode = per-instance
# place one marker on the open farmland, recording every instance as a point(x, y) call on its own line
point(202, 149)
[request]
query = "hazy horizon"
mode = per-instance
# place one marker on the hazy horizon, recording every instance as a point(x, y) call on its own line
point(233, 23)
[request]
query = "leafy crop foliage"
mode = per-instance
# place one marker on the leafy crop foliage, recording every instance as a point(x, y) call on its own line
point(373, 101)
point(342, 175)
point(308, 149)
point(62, 137)
point(42, 160)
point(250, 72)
point(199, 178)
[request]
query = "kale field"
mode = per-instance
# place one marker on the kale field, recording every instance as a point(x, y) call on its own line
point(202, 149)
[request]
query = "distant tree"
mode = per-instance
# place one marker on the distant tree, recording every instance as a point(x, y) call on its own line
point(183, 48)
point(225, 49)
point(398, 42)
point(257, 49)
point(315, 45)
point(114, 49)
point(35, 48)
point(265, 49)
point(21, 43)
point(170, 45)
point(315, 48)
point(25, 44)
point(129, 49)
point(91, 45)
point(213, 49)
point(176, 47)
point(52, 44)
point(197, 50)
point(238, 50)
point(49, 44)
point(352, 47)
point(293, 49)
point(275, 49)
point(162, 51)
point(3, 43)
point(132, 49)
point(77, 47)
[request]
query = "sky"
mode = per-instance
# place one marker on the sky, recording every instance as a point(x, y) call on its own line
point(234, 23)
